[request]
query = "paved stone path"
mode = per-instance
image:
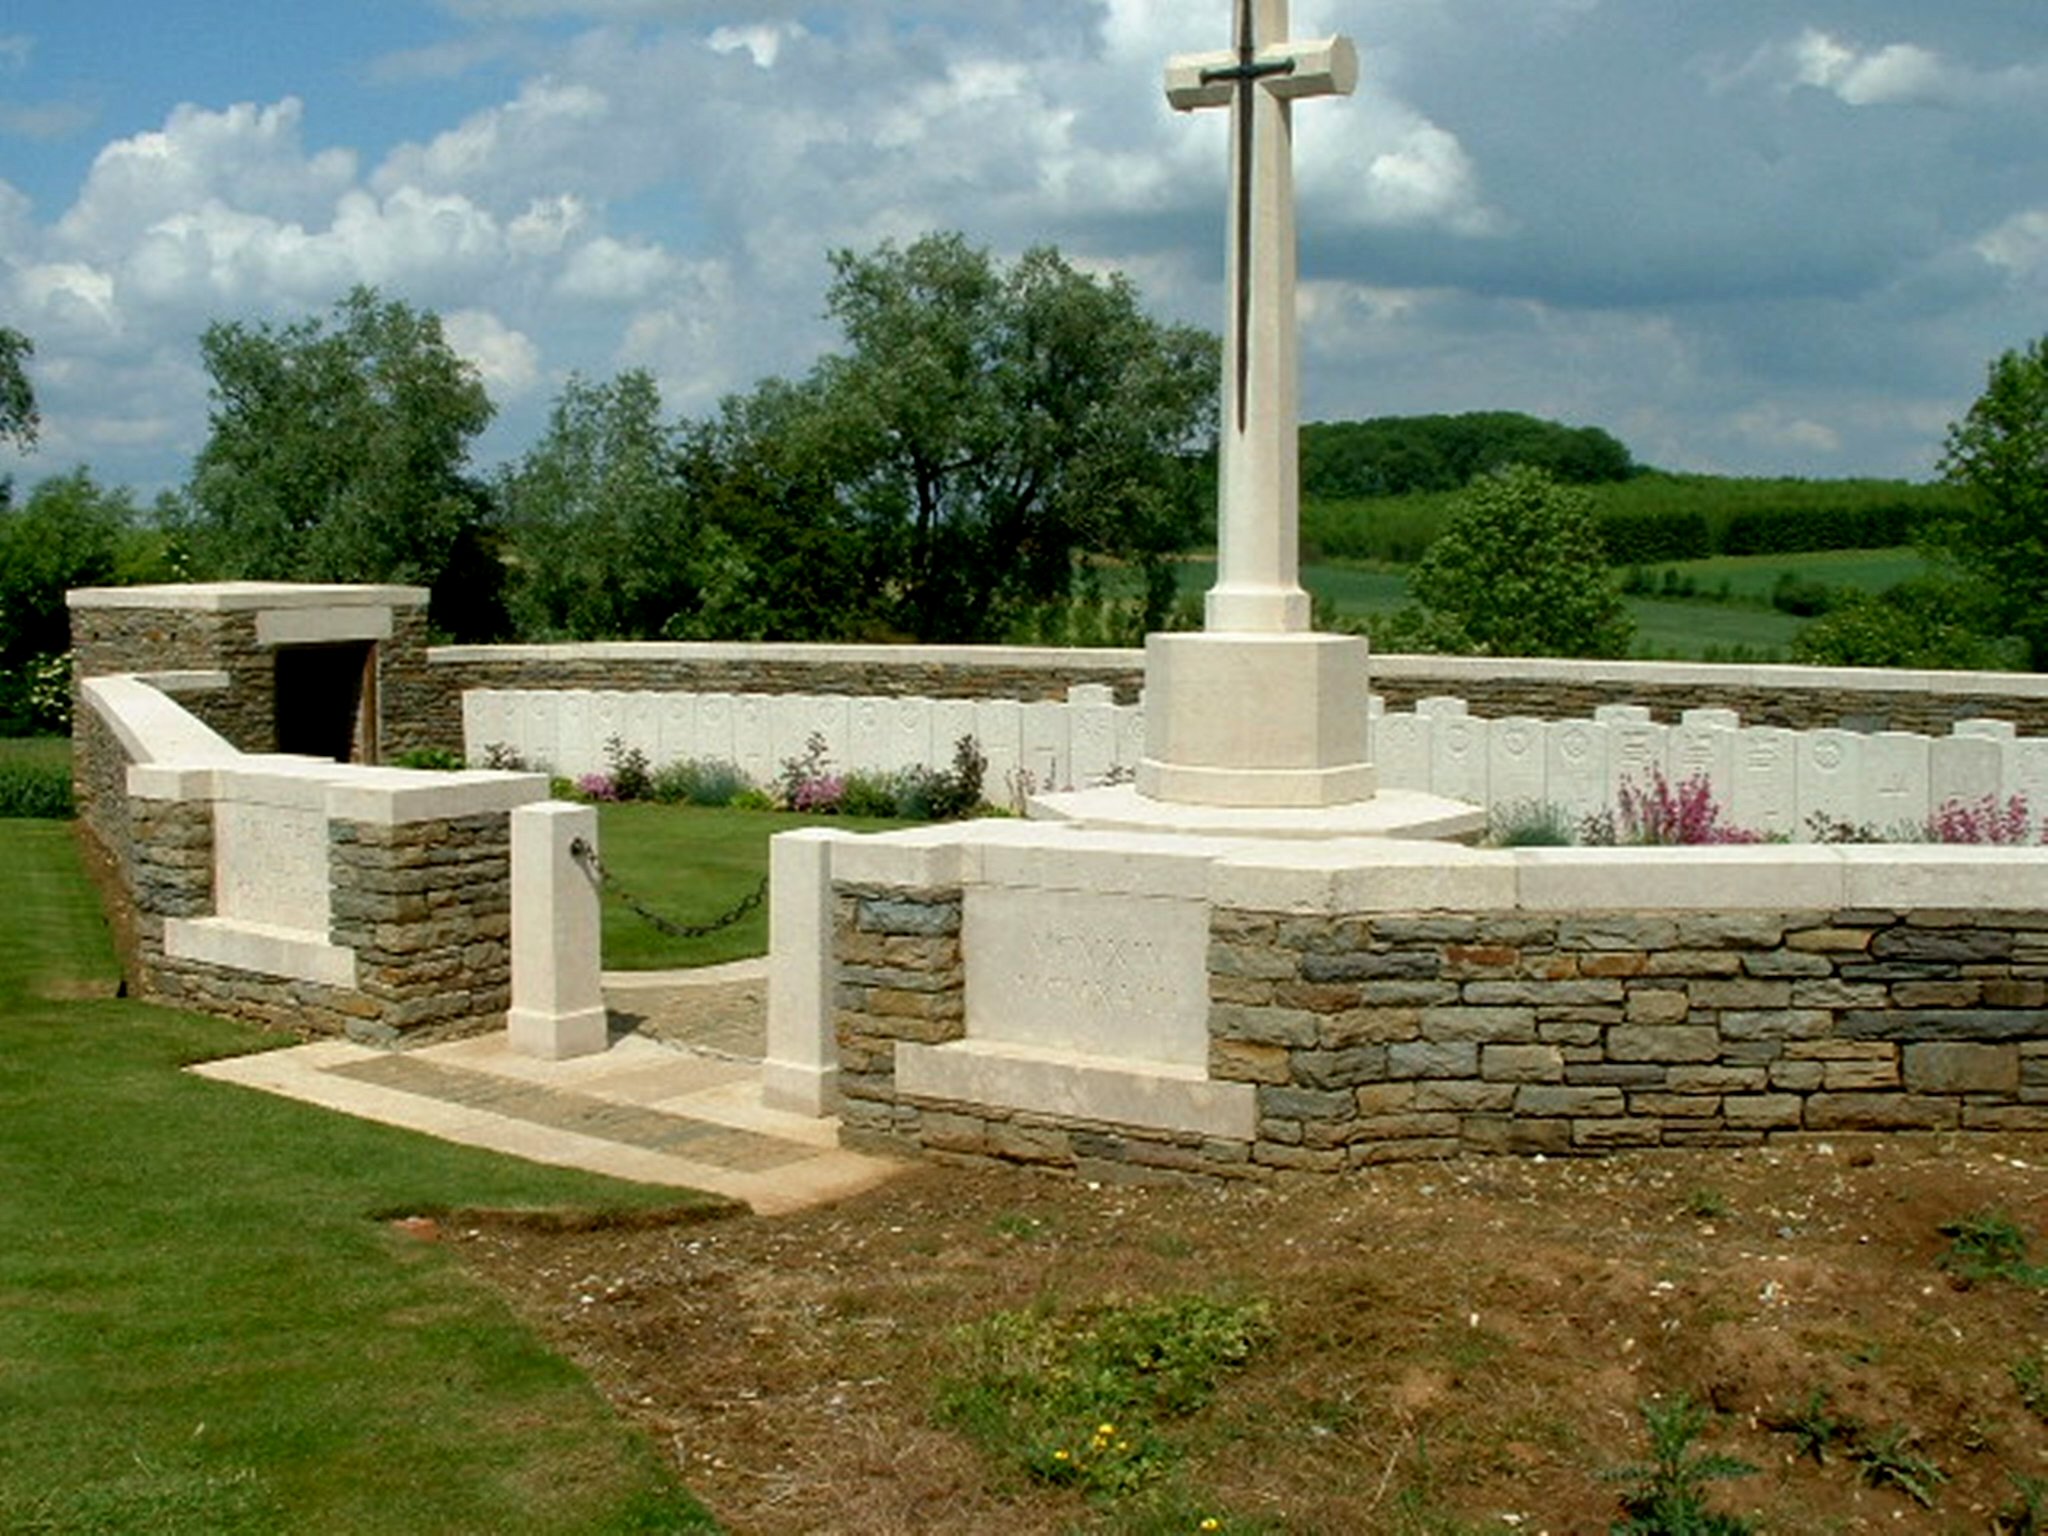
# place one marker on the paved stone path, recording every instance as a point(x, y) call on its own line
point(675, 1100)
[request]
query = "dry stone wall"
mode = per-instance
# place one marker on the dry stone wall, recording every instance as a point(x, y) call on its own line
point(1423, 1035)
point(1359, 1002)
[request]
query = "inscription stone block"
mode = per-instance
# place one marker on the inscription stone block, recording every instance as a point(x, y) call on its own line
point(1102, 974)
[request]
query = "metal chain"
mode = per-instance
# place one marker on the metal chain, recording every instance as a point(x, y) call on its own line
point(584, 854)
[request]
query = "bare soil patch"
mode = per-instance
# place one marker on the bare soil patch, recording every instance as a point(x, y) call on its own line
point(1457, 1347)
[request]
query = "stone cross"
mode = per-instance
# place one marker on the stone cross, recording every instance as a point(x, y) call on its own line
point(1258, 579)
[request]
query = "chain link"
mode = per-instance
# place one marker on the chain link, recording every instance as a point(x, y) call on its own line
point(584, 854)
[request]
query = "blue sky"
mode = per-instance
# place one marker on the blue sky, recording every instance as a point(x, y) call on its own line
point(1756, 236)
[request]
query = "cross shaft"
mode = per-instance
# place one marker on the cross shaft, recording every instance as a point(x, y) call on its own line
point(1258, 585)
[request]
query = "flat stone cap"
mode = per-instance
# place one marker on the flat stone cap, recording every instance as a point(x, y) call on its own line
point(226, 596)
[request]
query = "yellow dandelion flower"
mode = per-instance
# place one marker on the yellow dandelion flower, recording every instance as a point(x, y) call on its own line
point(1211, 1523)
point(1105, 1430)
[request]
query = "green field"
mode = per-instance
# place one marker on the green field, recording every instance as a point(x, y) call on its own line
point(1745, 627)
point(41, 752)
point(207, 1325)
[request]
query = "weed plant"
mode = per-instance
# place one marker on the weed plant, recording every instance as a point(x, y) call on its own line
point(1668, 1494)
point(1091, 1400)
point(1990, 1245)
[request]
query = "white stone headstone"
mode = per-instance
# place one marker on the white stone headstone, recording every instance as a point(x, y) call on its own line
point(579, 752)
point(1830, 776)
point(1517, 772)
point(753, 737)
point(1765, 797)
point(999, 727)
point(1458, 758)
point(1575, 767)
point(1896, 778)
point(1403, 752)
point(676, 714)
point(715, 728)
point(1043, 747)
point(1964, 769)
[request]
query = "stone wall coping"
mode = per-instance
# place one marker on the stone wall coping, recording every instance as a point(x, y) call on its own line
point(150, 727)
point(232, 596)
point(1387, 875)
point(991, 656)
point(1761, 676)
point(1445, 671)
point(190, 681)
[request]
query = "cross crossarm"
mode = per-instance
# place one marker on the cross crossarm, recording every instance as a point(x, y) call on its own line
point(1326, 67)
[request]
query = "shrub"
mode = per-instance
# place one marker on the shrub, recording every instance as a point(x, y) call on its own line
point(699, 781)
point(1529, 824)
point(433, 759)
point(631, 779)
point(804, 784)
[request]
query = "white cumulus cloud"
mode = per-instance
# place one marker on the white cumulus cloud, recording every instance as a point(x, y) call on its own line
point(508, 360)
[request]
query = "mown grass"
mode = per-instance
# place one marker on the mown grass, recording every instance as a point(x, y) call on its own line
point(204, 1324)
point(691, 864)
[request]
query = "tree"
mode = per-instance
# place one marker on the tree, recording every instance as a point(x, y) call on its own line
point(19, 422)
point(66, 534)
point(1929, 622)
point(1399, 455)
point(1518, 571)
point(1998, 454)
point(601, 537)
point(339, 452)
point(984, 427)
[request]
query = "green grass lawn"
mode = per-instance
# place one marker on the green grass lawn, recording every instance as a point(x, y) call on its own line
point(204, 1324)
point(690, 864)
point(52, 753)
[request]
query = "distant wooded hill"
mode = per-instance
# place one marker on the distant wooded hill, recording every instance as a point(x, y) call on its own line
point(1380, 490)
point(1403, 455)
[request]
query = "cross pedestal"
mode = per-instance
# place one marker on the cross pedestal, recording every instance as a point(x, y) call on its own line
point(1257, 710)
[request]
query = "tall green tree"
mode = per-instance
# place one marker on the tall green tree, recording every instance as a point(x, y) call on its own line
point(985, 427)
point(1998, 539)
point(19, 421)
point(66, 533)
point(600, 537)
point(1518, 570)
point(340, 452)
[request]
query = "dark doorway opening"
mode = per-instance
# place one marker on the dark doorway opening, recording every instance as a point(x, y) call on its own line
point(326, 700)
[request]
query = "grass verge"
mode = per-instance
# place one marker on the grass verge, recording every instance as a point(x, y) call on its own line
point(204, 1327)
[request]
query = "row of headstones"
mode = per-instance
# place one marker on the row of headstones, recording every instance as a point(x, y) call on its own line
point(1765, 778)
point(1052, 744)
